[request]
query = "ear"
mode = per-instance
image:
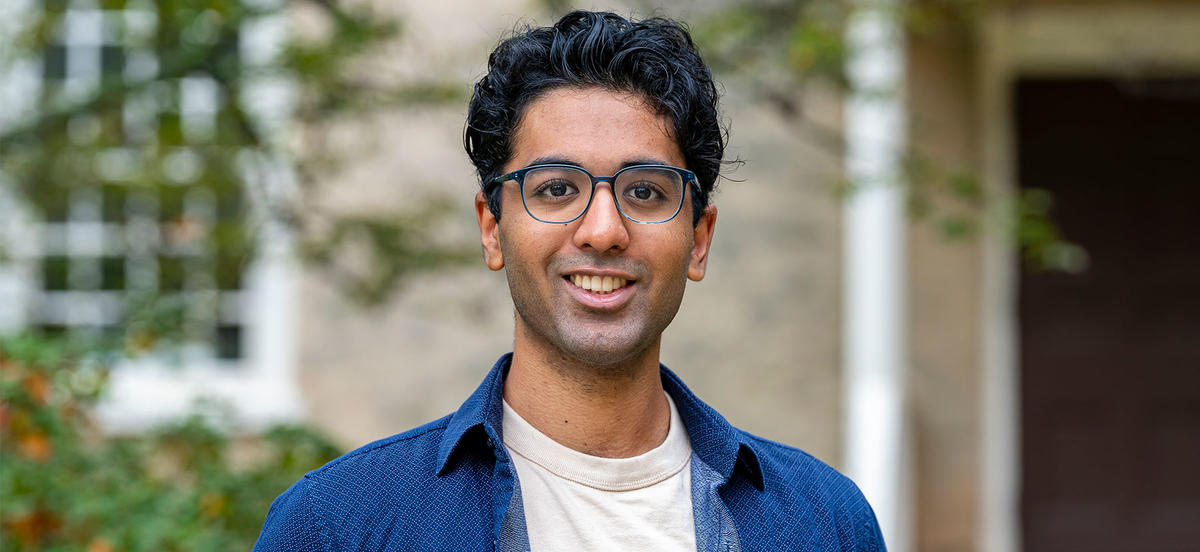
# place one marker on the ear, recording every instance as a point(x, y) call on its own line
point(701, 243)
point(489, 233)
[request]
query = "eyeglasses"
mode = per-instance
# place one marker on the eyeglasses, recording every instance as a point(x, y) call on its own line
point(645, 194)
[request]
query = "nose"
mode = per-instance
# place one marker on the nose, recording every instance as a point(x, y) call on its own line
point(602, 227)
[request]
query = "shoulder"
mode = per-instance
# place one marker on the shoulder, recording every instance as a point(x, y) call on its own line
point(796, 472)
point(796, 481)
point(350, 487)
point(401, 457)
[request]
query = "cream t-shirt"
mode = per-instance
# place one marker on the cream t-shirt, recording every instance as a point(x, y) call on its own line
point(575, 501)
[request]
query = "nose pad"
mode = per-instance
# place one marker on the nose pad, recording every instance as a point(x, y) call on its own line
point(602, 227)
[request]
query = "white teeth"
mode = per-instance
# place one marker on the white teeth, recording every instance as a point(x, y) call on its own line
point(598, 284)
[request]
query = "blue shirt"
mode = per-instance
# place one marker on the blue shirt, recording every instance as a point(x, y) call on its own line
point(450, 485)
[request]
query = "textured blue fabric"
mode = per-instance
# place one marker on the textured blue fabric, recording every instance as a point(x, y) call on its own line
point(450, 485)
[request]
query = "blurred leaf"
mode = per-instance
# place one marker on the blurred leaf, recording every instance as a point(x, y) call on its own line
point(86, 142)
point(200, 483)
point(68, 486)
point(368, 255)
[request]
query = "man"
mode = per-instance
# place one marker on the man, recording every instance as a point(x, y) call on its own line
point(597, 143)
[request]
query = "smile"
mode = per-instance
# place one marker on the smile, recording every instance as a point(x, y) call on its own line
point(597, 284)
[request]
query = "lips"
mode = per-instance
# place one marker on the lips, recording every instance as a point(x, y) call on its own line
point(600, 290)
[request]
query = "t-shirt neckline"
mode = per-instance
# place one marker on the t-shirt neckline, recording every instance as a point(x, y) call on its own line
point(607, 474)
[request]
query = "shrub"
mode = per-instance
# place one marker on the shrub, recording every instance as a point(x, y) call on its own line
point(65, 484)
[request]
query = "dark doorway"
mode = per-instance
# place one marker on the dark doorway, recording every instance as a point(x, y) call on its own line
point(1110, 358)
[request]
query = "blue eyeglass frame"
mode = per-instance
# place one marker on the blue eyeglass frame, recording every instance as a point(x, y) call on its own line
point(688, 177)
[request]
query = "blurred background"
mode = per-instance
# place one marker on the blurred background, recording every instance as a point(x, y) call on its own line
point(959, 260)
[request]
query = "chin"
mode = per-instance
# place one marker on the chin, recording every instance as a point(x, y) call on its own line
point(602, 351)
point(587, 343)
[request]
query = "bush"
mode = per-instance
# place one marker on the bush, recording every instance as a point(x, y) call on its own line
point(67, 485)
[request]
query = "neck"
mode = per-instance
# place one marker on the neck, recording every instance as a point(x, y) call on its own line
point(614, 411)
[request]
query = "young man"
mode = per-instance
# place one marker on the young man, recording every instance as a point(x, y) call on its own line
point(597, 142)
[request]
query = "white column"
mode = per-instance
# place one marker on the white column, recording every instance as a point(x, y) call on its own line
point(999, 523)
point(874, 350)
point(20, 87)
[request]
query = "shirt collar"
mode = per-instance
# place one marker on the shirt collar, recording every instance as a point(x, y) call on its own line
point(714, 440)
point(478, 418)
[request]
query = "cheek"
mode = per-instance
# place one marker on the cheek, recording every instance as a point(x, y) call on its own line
point(523, 249)
point(681, 240)
point(670, 254)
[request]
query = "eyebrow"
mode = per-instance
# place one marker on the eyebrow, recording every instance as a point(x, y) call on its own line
point(563, 160)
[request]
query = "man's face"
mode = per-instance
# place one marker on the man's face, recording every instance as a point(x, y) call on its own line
point(601, 131)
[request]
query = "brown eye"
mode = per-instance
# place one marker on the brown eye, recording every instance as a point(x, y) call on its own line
point(555, 189)
point(643, 192)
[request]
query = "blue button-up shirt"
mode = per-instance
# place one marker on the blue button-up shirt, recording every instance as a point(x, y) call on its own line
point(450, 485)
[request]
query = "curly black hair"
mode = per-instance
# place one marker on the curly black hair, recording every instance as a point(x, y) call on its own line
point(654, 58)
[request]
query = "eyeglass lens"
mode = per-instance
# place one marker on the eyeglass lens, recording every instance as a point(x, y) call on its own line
point(559, 194)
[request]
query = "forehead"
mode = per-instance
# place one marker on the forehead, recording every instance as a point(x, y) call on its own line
point(598, 129)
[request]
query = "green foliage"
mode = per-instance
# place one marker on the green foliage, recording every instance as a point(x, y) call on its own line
point(66, 485)
point(368, 281)
point(959, 207)
point(83, 139)
point(777, 44)
point(198, 484)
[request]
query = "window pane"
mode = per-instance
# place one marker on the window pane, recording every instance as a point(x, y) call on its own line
point(112, 203)
point(55, 65)
point(112, 61)
point(53, 201)
point(170, 274)
point(170, 206)
point(229, 341)
point(112, 270)
point(55, 272)
point(52, 330)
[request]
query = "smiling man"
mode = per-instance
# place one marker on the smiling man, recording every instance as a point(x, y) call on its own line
point(598, 145)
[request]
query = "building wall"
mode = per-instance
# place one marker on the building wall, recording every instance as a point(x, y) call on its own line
point(758, 338)
point(962, 293)
point(944, 288)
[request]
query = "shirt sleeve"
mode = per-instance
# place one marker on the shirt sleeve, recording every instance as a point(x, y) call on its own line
point(291, 525)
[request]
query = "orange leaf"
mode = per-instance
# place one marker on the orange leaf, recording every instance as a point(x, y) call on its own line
point(31, 528)
point(36, 446)
point(38, 387)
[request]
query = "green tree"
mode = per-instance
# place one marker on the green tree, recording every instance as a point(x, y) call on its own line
point(121, 136)
point(84, 137)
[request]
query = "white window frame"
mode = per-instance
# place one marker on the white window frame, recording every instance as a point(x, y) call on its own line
point(258, 389)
